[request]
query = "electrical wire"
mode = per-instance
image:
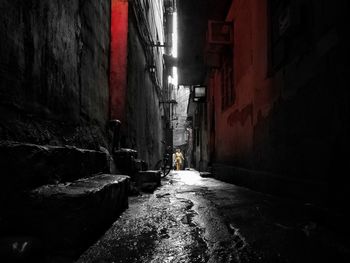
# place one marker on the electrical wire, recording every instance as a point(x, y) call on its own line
point(146, 40)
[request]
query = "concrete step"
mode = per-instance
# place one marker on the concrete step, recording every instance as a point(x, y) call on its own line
point(52, 194)
point(124, 160)
point(148, 180)
point(26, 166)
point(127, 162)
point(71, 216)
point(140, 165)
point(206, 174)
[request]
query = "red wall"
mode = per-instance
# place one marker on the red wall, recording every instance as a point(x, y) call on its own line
point(287, 127)
point(118, 59)
point(255, 95)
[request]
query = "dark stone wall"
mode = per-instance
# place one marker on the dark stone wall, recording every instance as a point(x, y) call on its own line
point(305, 135)
point(54, 58)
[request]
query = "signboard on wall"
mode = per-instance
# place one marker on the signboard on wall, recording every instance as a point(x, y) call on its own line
point(199, 93)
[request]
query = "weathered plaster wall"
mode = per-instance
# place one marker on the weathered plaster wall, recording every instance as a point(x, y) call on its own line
point(289, 116)
point(54, 59)
point(142, 129)
point(234, 125)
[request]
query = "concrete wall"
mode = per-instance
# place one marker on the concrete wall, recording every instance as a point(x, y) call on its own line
point(54, 59)
point(289, 114)
point(181, 95)
point(199, 150)
point(192, 24)
point(142, 129)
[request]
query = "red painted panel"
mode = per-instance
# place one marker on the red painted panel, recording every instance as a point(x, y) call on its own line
point(118, 59)
point(234, 126)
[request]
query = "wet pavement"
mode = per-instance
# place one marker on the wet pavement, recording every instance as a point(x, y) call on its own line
point(195, 219)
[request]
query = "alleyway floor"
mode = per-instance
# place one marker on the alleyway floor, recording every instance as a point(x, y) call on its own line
point(195, 219)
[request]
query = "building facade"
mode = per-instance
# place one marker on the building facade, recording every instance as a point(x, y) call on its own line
point(137, 74)
point(277, 99)
point(69, 68)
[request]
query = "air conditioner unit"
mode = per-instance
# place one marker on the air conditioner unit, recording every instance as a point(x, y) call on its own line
point(220, 33)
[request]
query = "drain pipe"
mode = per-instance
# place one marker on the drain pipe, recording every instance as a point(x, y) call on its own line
point(115, 126)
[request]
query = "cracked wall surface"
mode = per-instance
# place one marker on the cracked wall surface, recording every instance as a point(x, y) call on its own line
point(54, 59)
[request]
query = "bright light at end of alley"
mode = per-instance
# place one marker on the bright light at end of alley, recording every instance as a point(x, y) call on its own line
point(174, 36)
point(174, 79)
point(188, 177)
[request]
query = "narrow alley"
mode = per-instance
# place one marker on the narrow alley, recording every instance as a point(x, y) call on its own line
point(174, 131)
point(195, 219)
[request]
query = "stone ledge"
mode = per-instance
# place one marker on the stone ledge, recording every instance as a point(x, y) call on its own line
point(147, 180)
point(26, 166)
point(71, 216)
point(125, 160)
point(284, 186)
point(206, 174)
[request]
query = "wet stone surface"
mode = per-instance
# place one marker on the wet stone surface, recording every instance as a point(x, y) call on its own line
point(194, 219)
point(159, 229)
